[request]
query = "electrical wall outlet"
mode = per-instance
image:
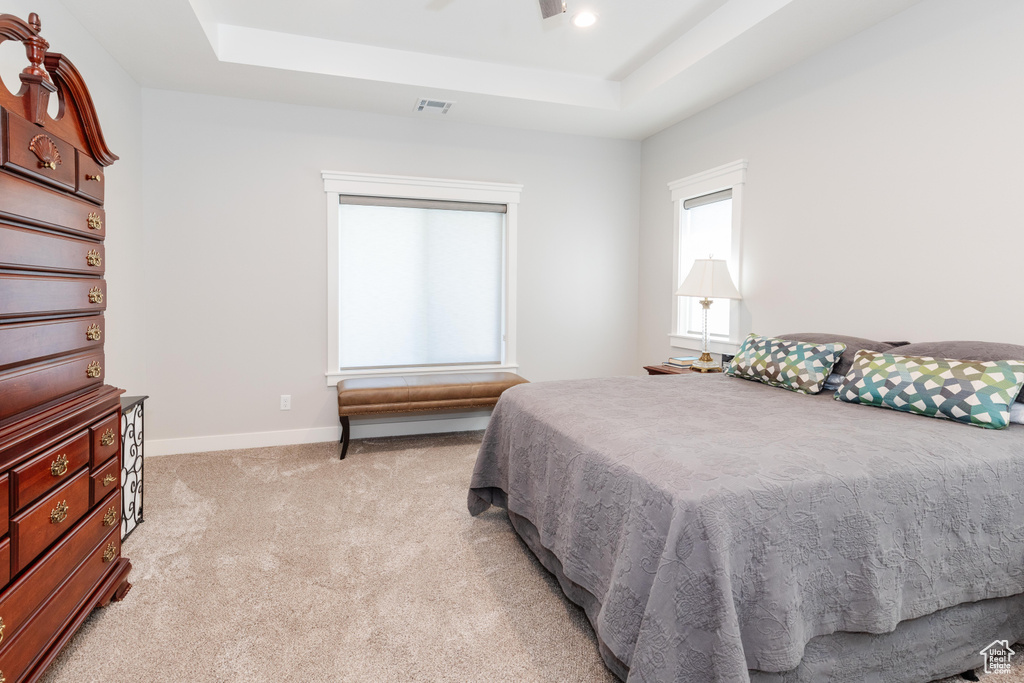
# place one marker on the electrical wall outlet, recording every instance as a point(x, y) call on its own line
point(286, 402)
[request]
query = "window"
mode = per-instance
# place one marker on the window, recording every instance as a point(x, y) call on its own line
point(708, 224)
point(705, 229)
point(421, 275)
point(419, 285)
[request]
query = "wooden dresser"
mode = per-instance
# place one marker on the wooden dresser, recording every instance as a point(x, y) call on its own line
point(60, 460)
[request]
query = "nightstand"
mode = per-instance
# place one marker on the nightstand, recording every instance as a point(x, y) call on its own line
point(665, 370)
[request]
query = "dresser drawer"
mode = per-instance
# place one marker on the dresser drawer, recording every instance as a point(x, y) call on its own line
point(35, 385)
point(90, 178)
point(5, 563)
point(33, 250)
point(27, 202)
point(106, 439)
point(83, 562)
point(36, 152)
point(36, 528)
point(27, 342)
point(104, 480)
point(5, 512)
point(49, 469)
point(18, 602)
point(28, 295)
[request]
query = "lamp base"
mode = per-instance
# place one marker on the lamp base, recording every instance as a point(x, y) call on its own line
point(705, 364)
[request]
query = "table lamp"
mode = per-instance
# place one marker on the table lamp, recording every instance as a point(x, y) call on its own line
point(709, 279)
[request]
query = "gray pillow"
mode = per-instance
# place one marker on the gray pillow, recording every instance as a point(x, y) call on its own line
point(853, 345)
point(966, 350)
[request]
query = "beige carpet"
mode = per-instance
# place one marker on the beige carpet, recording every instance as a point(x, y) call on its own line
point(284, 564)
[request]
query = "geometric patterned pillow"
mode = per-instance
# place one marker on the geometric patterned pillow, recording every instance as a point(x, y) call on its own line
point(793, 365)
point(973, 392)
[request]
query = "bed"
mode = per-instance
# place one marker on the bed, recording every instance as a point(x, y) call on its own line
point(717, 529)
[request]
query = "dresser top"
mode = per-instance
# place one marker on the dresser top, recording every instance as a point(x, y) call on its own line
point(52, 74)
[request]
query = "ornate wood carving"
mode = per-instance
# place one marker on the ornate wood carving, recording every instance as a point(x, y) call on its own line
point(46, 151)
point(36, 86)
point(73, 90)
point(51, 73)
point(13, 28)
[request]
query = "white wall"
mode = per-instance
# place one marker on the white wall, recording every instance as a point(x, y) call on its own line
point(236, 264)
point(883, 195)
point(118, 101)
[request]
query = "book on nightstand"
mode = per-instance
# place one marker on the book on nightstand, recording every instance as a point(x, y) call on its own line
point(681, 361)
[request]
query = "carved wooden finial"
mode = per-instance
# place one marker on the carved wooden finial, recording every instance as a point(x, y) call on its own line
point(36, 49)
point(36, 84)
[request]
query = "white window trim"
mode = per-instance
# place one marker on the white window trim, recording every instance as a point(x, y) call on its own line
point(728, 176)
point(338, 183)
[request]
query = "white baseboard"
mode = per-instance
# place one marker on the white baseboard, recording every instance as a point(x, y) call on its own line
point(362, 428)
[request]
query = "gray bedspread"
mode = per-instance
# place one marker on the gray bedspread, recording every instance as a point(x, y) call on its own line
point(722, 524)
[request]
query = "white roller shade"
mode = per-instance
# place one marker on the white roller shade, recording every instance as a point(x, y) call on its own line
point(421, 203)
point(419, 286)
point(706, 199)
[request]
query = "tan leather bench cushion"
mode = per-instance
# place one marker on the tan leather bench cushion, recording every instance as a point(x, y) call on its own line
point(409, 393)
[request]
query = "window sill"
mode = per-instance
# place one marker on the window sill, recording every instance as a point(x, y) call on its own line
point(685, 341)
point(334, 377)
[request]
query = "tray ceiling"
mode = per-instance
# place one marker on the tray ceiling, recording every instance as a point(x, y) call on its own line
point(645, 65)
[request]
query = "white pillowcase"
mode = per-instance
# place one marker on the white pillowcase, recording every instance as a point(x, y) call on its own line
point(1017, 413)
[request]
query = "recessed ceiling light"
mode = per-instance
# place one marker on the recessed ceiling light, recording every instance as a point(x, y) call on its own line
point(584, 19)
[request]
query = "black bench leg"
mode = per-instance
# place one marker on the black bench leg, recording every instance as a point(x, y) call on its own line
point(346, 432)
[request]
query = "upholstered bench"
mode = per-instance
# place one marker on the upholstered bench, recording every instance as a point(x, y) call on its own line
point(418, 394)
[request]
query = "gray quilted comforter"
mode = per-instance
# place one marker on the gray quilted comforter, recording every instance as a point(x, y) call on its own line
point(721, 524)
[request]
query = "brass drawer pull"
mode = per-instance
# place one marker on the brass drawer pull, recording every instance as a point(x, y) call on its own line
point(2, 627)
point(97, 178)
point(108, 480)
point(110, 553)
point(93, 258)
point(95, 295)
point(46, 151)
point(108, 437)
point(59, 467)
point(93, 370)
point(94, 221)
point(59, 513)
point(110, 517)
point(92, 333)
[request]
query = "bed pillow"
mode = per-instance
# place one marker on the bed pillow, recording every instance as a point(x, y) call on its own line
point(967, 350)
point(1017, 413)
point(853, 345)
point(792, 365)
point(973, 392)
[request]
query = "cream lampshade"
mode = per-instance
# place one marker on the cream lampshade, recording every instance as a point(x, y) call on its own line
point(709, 279)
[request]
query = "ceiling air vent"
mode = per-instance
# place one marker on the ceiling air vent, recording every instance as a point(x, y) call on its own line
point(426, 106)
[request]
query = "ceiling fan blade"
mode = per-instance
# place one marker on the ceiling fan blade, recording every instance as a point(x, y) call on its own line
point(549, 8)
